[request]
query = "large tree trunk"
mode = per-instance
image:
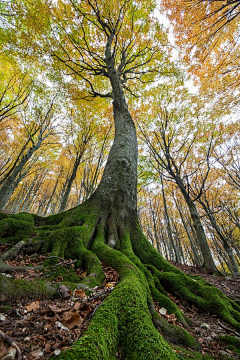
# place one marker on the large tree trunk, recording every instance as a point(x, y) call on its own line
point(118, 187)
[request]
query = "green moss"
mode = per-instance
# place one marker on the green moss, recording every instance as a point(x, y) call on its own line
point(194, 291)
point(91, 263)
point(199, 279)
point(150, 254)
point(156, 274)
point(168, 304)
point(5, 308)
point(23, 217)
point(68, 274)
point(176, 334)
point(206, 297)
point(3, 216)
point(123, 319)
point(10, 227)
point(186, 354)
point(233, 342)
point(49, 220)
point(83, 215)
point(26, 290)
point(65, 240)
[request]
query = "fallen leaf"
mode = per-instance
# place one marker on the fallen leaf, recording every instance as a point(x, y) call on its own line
point(57, 310)
point(36, 353)
point(3, 349)
point(35, 305)
point(85, 311)
point(110, 284)
point(171, 318)
point(11, 355)
point(77, 306)
point(47, 346)
point(47, 326)
point(79, 293)
point(71, 319)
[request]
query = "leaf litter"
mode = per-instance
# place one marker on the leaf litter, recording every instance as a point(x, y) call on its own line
point(46, 327)
point(43, 328)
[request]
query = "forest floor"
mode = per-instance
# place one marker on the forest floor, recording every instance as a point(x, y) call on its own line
point(41, 328)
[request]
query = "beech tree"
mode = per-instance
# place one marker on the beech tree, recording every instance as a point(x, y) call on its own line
point(36, 131)
point(171, 150)
point(207, 33)
point(14, 91)
point(78, 148)
point(110, 46)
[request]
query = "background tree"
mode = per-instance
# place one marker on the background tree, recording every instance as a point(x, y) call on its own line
point(207, 33)
point(37, 132)
point(14, 89)
point(172, 149)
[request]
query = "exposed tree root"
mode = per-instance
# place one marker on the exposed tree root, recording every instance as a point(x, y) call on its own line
point(127, 318)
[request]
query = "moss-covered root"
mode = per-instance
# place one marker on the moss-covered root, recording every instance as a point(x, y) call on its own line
point(68, 243)
point(174, 334)
point(206, 297)
point(25, 289)
point(157, 291)
point(203, 295)
point(12, 229)
point(233, 342)
point(123, 320)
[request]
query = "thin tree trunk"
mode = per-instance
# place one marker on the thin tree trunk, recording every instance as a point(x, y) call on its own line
point(206, 253)
point(168, 224)
point(15, 177)
point(153, 214)
point(232, 263)
point(52, 195)
point(195, 255)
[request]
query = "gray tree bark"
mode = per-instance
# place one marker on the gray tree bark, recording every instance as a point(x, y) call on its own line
point(118, 185)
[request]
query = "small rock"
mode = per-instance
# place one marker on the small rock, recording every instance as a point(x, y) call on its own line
point(205, 326)
point(223, 353)
point(57, 352)
point(208, 338)
point(163, 311)
point(27, 339)
point(11, 354)
point(214, 336)
point(61, 326)
point(2, 317)
point(37, 353)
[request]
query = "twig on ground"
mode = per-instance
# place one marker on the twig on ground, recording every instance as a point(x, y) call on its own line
point(229, 329)
point(10, 342)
